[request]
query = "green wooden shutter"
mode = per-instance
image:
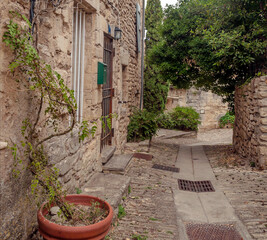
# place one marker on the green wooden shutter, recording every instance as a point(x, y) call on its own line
point(102, 73)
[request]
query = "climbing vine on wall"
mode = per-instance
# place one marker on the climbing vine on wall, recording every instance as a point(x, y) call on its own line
point(55, 115)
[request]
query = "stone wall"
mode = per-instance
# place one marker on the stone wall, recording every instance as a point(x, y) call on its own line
point(76, 161)
point(250, 130)
point(207, 104)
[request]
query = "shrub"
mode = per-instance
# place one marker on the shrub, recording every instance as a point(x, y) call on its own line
point(182, 118)
point(228, 118)
point(143, 125)
point(165, 121)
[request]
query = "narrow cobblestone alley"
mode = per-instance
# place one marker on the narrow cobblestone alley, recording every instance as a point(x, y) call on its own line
point(245, 188)
point(150, 208)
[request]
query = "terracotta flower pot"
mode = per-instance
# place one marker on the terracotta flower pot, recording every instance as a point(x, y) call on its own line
point(97, 231)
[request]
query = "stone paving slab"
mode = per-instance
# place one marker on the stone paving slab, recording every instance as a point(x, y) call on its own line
point(107, 153)
point(189, 207)
point(118, 164)
point(207, 207)
point(107, 186)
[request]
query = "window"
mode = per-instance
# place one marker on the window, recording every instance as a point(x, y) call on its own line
point(78, 59)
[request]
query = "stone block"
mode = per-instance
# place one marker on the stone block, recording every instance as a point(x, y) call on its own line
point(263, 111)
point(263, 150)
point(63, 44)
point(67, 177)
point(118, 163)
point(66, 165)
point(72, 143)
point(110, 187)
point(124, 56)
point(103, 24)
point(77, 166)
point(99, 52)
point(263, 94)
point(67, 15)
point(44, 50)
point(99, 38)
point(263, 128)
point(56, 151)
point(263, 137)
point(94, 4)
point(263, 162)
point(263, 121)
point(107, 153)
point(3, 145)
point(263, 79)
point(263, 102)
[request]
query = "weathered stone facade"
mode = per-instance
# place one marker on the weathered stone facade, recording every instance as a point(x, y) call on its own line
point(76, 161)
point(207, 104)
point(250, 130)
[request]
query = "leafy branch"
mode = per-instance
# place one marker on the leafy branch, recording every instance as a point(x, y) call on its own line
point(56, 102)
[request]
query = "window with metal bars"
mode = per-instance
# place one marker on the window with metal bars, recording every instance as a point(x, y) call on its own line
point(78, 59)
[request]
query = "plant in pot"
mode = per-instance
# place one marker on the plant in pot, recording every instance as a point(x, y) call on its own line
point(80, 216)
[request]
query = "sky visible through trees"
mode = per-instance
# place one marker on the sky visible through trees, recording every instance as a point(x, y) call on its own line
point(164, 2)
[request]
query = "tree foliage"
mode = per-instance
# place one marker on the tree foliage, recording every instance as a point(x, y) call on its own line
point(153, 21)
point(155, 89)
point(142, 126)
point(215, 44)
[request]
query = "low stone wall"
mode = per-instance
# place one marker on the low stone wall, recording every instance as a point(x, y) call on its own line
point(207, 104)
point(250, 130)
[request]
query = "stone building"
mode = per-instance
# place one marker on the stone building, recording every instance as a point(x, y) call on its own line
point(75, 38)
point(209, 105)
point(250, 130)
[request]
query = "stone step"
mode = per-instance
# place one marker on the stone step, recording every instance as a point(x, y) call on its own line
point(107, 186)
point(107, 153)
point(169, 134)
point(117, 164)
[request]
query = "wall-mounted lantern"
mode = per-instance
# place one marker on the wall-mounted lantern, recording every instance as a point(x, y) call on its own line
point(117, 33)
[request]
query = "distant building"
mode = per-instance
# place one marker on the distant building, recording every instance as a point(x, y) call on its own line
point(209, 105)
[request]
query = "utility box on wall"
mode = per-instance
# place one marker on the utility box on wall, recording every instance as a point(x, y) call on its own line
point(102, 73)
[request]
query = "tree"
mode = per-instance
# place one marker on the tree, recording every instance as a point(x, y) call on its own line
point(215, 44)
point(155, 89)
point(153, 21)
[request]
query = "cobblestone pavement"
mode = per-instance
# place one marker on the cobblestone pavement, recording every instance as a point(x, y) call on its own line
point(150, 210)
point(245, 188)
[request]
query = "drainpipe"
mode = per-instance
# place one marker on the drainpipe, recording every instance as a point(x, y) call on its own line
point(142, 57)
point(32, 14)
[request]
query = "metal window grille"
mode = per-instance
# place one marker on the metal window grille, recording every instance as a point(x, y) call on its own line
point(78, 59)
point(108, 91)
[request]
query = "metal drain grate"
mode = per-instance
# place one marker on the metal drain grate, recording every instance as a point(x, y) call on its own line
point(195, 186)
point(212, 232)
point(166, 168)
